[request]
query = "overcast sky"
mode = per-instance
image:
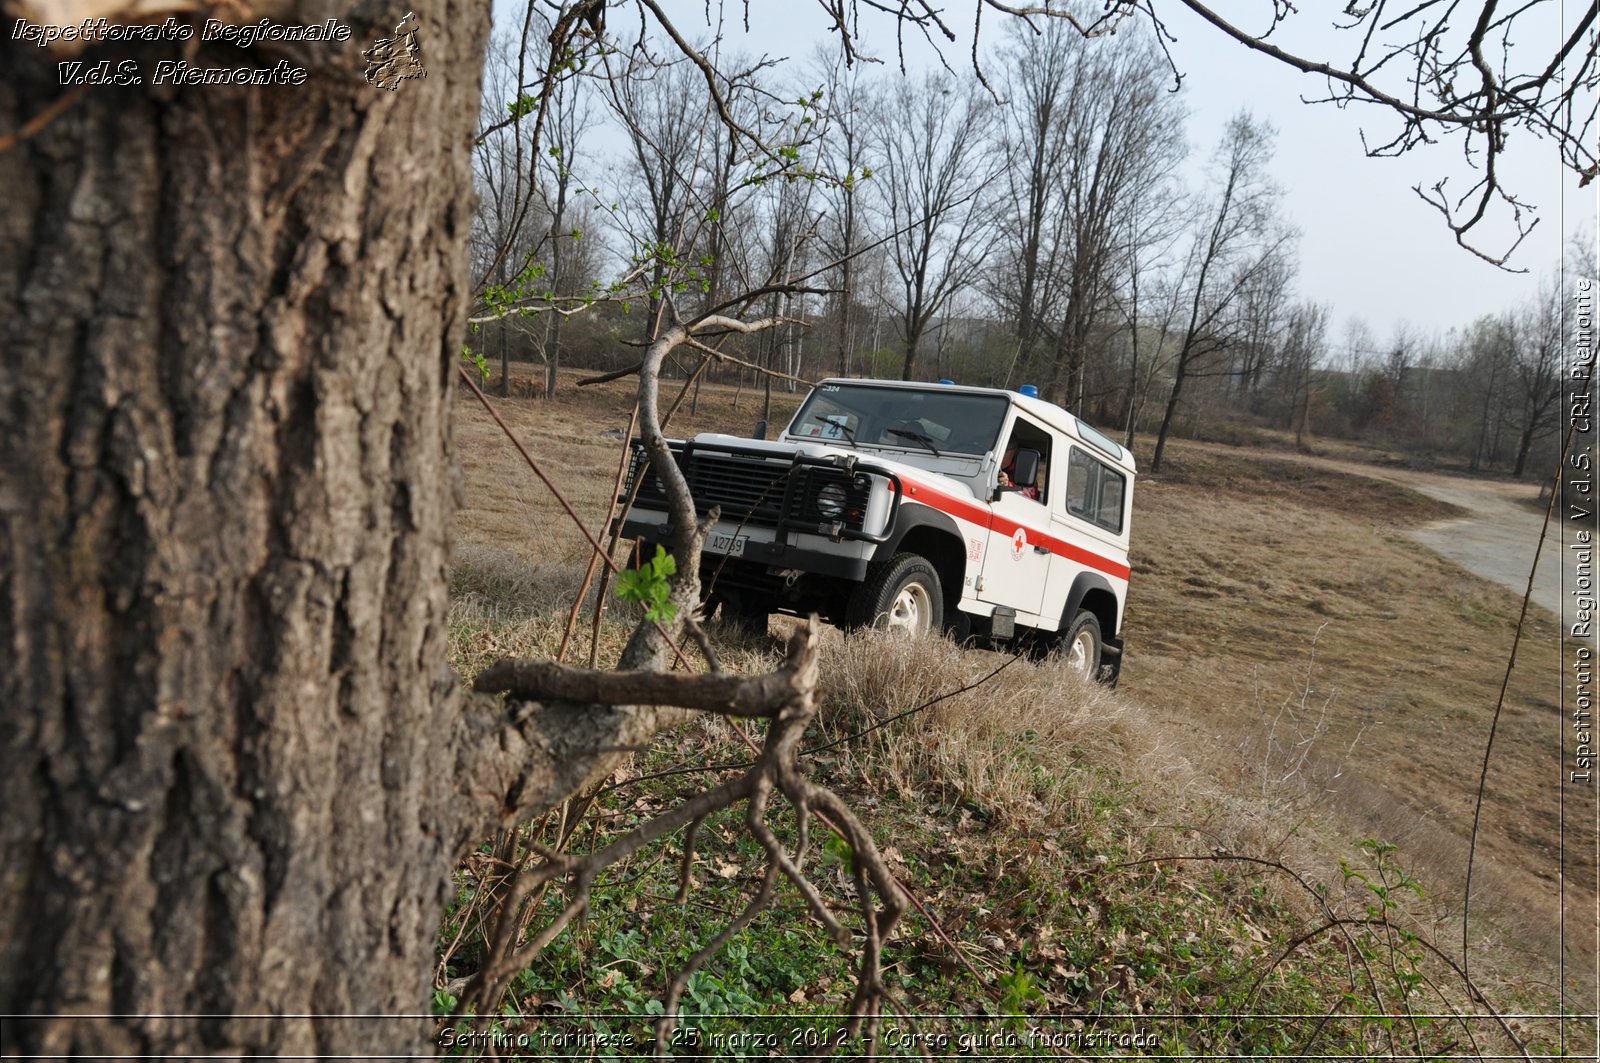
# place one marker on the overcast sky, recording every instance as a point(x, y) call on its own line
point(1369, 247)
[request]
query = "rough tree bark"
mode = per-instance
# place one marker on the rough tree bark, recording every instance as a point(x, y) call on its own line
point(237, 770)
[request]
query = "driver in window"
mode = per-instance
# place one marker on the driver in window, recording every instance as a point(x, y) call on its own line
point(1008, 468)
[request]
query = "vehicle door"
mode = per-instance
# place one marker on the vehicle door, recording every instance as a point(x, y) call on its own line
point(1016, 559)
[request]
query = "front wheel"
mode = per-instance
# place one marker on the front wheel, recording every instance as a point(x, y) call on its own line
point(1082, 645)
point(902, 595)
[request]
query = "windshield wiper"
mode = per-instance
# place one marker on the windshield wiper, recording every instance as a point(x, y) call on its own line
point(848, 434)
point(907, 433)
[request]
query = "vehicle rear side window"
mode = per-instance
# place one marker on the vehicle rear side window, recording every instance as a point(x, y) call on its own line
point(1095, 491)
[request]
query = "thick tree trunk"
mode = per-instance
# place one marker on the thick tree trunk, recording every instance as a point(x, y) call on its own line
point(237, 770)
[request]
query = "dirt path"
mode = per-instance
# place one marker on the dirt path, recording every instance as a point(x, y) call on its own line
point(1496, 540)
point(1497, 544)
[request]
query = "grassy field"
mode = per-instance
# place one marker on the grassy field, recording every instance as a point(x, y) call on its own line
point(1273, 600)
point(1301, 678)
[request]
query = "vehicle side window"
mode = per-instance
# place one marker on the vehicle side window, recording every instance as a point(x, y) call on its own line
point(1095, 491)
point(1027, 436)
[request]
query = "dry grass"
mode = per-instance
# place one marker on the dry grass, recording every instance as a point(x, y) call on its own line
point(1300, 675)
point(1302, 631)
point(1281, 478)
point(1036, 751)
point(1026, 744)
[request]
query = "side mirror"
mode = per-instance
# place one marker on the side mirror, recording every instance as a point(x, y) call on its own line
point(760, 430)
point(1025, 472)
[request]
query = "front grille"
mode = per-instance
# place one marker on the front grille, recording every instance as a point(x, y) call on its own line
point(750, 490)
point(649, 491)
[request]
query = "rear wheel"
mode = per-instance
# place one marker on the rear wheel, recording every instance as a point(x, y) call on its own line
point(1081, 647)
point(903, 594)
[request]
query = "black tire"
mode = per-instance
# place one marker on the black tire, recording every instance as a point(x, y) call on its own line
point(1081, 645)
point(901, 594)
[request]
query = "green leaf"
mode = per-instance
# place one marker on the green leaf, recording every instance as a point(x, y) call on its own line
point(522, 105)
point(650, 586)
point(477, 359)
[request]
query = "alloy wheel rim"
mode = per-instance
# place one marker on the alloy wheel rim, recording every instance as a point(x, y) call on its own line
point(910, 611)
point(1078, 654)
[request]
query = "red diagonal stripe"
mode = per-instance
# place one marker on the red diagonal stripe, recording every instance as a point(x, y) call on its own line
point(984, 517)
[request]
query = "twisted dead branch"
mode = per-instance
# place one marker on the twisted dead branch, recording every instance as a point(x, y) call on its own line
point(787, 698)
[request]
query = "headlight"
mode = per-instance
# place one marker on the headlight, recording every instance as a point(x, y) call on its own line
point(830, 501)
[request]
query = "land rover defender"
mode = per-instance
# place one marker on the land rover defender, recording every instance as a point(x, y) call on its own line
point(980, 512)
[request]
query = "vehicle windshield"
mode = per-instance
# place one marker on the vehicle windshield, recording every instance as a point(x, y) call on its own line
point(938, 421)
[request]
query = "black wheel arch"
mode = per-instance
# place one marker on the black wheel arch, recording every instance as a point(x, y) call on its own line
point(1093, 592)
point(923, 530)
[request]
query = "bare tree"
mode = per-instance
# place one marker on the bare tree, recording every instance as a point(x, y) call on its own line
point(1124, 140)
point(1035, 142)
point(505, 243)
point(530, 262)
point(1263, 315)
point(571, 264)
point(1449, 72)
point(1478, 73)
point(1539, 342)
point(937, 164)
point(1303, 349)
point(843, 229)
point(1149, 301)
point(1240, 240)
point(791, 232)
point(1092, 138)
point(1430, 391)
point(1488, 357)
point(664, 111)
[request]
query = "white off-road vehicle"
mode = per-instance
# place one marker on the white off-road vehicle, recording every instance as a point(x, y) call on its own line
point(989, 514)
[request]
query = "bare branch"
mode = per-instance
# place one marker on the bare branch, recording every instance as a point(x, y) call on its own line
point(774, 374)
point(749, 696)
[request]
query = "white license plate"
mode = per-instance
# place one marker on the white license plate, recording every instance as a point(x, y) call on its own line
point(732, 545)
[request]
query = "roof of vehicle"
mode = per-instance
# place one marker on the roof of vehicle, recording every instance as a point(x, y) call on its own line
point(1048, 412)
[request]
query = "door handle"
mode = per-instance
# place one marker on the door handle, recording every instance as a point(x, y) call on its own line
point(1041, 549)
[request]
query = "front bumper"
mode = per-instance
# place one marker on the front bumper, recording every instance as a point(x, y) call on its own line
point(773, 555)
